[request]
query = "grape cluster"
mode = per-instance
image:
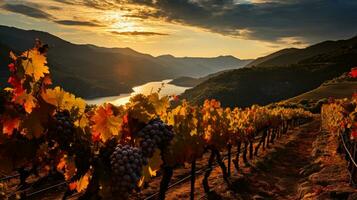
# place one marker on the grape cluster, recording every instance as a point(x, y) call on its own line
point(156, 134)
point(107, 150)
point(62, 130)
point(126, 166)
point(63, 133)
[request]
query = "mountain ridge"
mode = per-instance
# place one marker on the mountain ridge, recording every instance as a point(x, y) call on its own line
point(279, 76)
point(91, 71)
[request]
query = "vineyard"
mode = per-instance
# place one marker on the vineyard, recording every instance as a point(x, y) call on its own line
point(340, 118)
point(112, 152)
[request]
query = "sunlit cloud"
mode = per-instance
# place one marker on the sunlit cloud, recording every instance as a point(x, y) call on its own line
point(239, 27)
point(138, 33)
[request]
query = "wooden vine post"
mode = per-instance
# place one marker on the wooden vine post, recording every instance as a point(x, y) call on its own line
point(193, 179)
point(229, 160)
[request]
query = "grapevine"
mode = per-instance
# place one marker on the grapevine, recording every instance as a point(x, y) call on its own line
point(112, 151)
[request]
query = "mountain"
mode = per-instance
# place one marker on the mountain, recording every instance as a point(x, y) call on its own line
point(91, 71)
point(203, 66)
point(187, 81)
point(263, 59)
point(279, 76)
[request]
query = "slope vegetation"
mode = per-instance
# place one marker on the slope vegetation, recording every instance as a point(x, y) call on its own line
point(280, 76)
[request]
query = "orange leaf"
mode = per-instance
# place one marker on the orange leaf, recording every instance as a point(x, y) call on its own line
point(26, 100)
point(9, 125)
point(83, 182)
point(61, 164)
point(47, 80)
point(105, 122)
point(72, 186)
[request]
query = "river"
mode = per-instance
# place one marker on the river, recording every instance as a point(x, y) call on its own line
point(148, 88)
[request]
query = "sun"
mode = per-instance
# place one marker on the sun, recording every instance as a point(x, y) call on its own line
point(120, 22)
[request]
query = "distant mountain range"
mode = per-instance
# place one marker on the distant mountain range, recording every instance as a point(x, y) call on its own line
point(278, 76)
point(91, 71)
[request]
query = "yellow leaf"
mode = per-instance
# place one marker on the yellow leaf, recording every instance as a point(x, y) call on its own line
point(83, 182)
point(141, 181)
point(63, 100)
point(153, 166)
point(82, 122)
point(105, 122)
point(35, 64)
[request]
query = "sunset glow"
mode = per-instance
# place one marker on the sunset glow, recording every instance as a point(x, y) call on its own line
point(159, 27)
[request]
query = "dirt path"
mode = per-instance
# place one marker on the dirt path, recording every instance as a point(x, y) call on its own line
point(278, 175)
point(275, 174)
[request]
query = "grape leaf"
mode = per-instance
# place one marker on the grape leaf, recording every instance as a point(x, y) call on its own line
point(33, 124)
point(35, 64)
point(152, 167)
point(28, 101)
point(63, 100)
point(139, 107)
point(83, 182)
point(82, 122)
point(105, 122)
point(9, 125)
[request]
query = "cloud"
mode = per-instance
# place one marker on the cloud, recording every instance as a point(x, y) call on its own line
point(30, 11)
point(78, 23)
point(138, 33)
point(266, 20)
point(27, 10)
point(307, 21)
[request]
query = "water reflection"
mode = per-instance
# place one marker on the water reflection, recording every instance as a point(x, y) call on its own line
point(163, 87)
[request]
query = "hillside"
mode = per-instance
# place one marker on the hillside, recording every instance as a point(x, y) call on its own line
point(280, 77)
point(341, 87)
point(92, 71)
point(321, 52)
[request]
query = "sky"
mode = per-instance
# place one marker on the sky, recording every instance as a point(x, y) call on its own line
point(200, 28)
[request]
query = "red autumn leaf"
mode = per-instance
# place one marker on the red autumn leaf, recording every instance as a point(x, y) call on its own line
point(9, 125)
point(47, 80)
point(354, 134)
point(353, 72)
point(96, 137)
point(12, 67)
point(175, 98)
point(16, 83)
point(126, 119)
point(72, 186)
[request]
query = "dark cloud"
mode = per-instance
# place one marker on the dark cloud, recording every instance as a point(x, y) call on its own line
point(139, 33)
point(78, 23)
point(307, 20)
point(31, 11)
point(27, 10)
point(302, 20)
